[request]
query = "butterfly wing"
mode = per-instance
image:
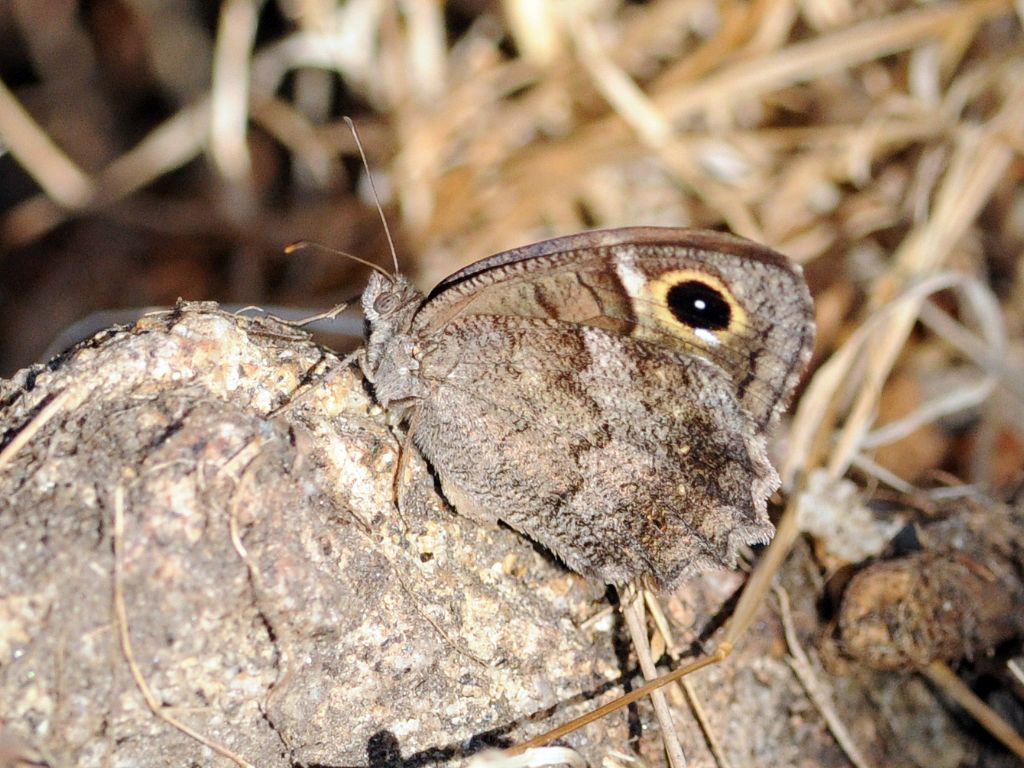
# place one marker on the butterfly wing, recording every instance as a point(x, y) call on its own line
point(737, 304)
point(625, 460)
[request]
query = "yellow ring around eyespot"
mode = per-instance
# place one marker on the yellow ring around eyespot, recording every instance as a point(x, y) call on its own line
point(662, 284)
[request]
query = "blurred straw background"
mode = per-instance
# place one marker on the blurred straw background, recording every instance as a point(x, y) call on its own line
point(153, 149)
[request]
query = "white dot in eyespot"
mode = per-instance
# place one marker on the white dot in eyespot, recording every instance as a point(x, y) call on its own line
point(700, 304)
point(707, 336)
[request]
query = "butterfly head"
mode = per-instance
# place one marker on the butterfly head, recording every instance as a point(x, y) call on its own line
point(390, 362)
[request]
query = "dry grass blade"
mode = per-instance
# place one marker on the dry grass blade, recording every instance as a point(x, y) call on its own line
point(978, 164)
point(30, 430)
point(168, 147)
point(662, 623)
point(827, 54)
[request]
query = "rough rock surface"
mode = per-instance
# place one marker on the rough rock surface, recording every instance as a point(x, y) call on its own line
point(277, 604)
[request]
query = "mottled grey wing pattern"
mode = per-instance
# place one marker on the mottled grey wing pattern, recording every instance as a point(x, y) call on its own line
point(624, 461)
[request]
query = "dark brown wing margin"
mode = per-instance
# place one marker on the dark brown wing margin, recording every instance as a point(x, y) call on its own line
point(710, 240)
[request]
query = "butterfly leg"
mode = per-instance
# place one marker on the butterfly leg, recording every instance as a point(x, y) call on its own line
point(403, 473)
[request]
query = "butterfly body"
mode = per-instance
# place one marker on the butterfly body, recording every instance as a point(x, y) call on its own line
point(607, 394)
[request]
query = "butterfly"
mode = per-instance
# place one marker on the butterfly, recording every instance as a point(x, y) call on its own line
point(608, 394)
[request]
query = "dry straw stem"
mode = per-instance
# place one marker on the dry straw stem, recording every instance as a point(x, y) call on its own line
point(25, 435)
point(980, 160)
point(633, 610)
point(674, 97)
point(706, 85)
point(978, 164)
point(62, 180)
point(757, 76)
point(940, 674)
point(860, 369)
point(229, 115)
point(816, 690)
point(165, 149)
point(686, 686)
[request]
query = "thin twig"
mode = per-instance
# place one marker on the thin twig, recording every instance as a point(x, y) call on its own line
point(633, 611)
point(247, 458)
point(941, 675)
point(58, 175)
point(229, 116)
point(689, 692)
point(816, 691)
point(121, 616)
point(32, 428)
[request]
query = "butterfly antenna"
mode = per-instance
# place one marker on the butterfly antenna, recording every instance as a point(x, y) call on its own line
point(373, 189)
point(299, 245)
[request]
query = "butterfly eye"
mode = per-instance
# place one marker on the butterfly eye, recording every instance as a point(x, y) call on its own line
point(386, 303)
point(699, 305)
